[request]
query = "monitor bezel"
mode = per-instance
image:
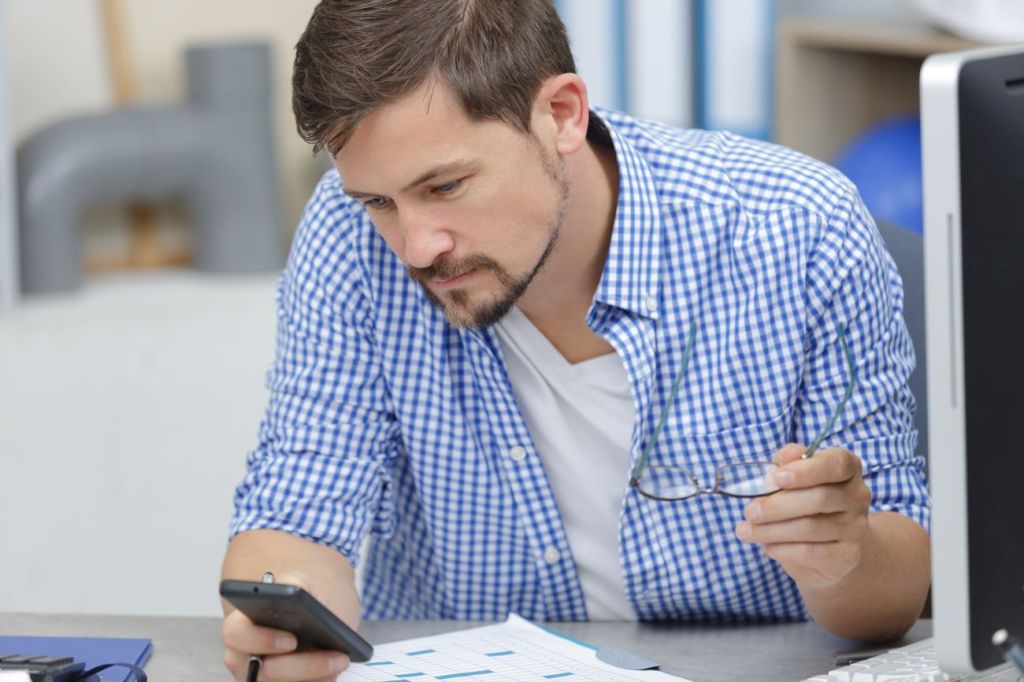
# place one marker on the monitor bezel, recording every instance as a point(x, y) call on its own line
point(944, 323)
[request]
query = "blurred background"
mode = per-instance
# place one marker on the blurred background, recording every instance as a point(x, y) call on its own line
point(151, 179)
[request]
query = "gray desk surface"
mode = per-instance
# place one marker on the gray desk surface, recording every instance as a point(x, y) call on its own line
point(190, 649)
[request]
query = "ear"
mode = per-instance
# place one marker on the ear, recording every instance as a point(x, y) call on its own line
point(561, 112)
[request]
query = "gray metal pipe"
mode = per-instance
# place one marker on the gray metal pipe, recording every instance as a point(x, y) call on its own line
point(216, 152)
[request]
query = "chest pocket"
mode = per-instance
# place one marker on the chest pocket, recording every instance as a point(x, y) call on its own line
point(698, 569)
point(703, 453)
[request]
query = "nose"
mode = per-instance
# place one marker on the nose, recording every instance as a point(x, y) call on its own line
point(424, 238)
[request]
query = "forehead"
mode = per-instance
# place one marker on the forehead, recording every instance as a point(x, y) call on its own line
point(423, 129)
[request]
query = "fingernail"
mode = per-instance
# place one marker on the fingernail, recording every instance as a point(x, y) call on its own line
point(285, 643)
point(337, 663)
point(743, 531)
point(754, 511)
point(783, 478)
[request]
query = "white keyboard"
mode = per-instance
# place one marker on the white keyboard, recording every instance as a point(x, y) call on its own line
point(912, 663)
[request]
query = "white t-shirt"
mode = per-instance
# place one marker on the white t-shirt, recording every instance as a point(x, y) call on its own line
point(581, 420)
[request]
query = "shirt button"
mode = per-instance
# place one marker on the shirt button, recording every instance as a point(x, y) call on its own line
point(517, 453)
point(652, 304)
point(552, 555)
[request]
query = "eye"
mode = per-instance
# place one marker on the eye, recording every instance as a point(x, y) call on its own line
point(446, 188)
point(377, 203)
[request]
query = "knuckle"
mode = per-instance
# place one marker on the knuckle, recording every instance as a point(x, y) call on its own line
point(233, 663)
point(227, 629)
point(841, 469)
point(820, 497)
point(812, 528)
point(856, 464)
point(234, 631)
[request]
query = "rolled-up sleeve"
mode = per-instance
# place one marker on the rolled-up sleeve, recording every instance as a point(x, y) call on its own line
point(853, 282)
point(320, 470)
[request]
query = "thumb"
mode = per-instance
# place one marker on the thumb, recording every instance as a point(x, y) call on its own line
point(789, 452)
point(296, 578)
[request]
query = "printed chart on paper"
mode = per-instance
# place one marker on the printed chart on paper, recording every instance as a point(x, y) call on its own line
point(514, 651)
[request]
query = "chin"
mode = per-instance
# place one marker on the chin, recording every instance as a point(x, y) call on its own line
point(460, 311)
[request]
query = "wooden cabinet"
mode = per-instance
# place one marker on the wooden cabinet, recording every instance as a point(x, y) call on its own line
point(836, 79)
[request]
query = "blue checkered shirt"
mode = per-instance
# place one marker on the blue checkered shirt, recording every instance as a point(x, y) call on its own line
point(386, 420)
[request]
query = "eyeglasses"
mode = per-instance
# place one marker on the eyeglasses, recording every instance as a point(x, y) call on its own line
point(738, 479)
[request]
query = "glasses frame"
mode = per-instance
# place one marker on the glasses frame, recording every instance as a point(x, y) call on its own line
point(701, 490)
point(641, 465)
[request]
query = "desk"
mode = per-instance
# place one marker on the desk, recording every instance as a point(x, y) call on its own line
point(190, 648)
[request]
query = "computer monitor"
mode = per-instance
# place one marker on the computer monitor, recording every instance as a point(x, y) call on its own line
point(972, 127)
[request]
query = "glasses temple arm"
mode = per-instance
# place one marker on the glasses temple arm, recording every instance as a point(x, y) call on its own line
point(851, 382)
point(642, 462)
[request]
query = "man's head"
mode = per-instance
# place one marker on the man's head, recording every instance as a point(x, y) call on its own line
point(356, 55)
point(449, 120)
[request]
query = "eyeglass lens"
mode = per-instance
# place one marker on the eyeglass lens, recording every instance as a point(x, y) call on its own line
point(742, 479)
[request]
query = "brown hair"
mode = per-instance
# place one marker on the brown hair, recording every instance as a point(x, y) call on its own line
point(356, 55)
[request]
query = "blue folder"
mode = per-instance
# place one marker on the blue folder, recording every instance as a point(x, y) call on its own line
point(93, 650)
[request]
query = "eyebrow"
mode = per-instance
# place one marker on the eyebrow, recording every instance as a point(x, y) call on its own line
point(436, 171)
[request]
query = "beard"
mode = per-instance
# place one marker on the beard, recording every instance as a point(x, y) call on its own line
point(456, 304)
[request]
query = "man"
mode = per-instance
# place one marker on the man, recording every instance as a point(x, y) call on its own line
point(504, 305)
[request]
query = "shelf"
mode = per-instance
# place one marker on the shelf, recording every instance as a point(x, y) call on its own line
point(834, 80)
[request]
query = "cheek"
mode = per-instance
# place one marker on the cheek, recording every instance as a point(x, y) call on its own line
point(519, 216)
point(389, 232)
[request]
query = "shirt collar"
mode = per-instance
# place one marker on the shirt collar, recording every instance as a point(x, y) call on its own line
point(630, 277)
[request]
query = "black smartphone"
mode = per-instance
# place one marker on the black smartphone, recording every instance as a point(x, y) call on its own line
point(291, 608)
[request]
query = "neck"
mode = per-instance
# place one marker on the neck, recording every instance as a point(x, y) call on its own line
point(564, 288)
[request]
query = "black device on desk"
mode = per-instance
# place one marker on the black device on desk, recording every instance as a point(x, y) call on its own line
point(290, 608)
point(43, 668)
point(61, 668)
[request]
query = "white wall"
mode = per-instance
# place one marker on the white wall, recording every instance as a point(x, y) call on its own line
point(126, 410)
point(8, 227)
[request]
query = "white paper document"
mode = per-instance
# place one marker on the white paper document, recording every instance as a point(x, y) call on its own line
point(514, 651)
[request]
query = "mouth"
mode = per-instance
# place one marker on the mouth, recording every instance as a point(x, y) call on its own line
point(453, 281)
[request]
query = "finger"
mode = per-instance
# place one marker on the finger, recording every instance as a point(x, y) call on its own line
point(236, 662)
point(241, 634)
point(834, 465)
point(820, 528)
point(823, 499)
point(306, 665)
point(790, 452)
point(296, 578)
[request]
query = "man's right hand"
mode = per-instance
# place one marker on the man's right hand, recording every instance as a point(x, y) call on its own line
point(280, 660)
point(252, 553)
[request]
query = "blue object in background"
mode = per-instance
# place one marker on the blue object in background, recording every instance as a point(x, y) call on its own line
point(885, 164)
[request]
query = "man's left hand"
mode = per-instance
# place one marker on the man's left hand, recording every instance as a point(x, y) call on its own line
point(816, 527)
